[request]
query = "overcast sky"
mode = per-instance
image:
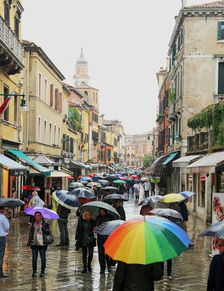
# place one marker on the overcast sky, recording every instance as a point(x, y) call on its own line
point(125, 43)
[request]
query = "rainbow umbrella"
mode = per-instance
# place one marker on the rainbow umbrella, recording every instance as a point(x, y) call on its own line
point(146, 240)
point(172, 198)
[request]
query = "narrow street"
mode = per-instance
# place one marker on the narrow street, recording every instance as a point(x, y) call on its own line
point(64, 264)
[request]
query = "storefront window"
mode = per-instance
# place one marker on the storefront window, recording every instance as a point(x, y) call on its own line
point(220, 182)
point(201, 190)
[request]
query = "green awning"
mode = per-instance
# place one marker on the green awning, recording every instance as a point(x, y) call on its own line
point(24, 158)
point(170, 159)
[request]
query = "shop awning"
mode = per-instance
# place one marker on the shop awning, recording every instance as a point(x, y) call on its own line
point(156, 167)
point(80, 165)
point(43, 160)
point(170, 158)
point(14, 168)
point(110, 168)
point(184, 161)
point(58, 174)
point(207, 163)
point(25, 159)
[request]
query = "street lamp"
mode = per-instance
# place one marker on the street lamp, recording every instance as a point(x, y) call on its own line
point(23, 105)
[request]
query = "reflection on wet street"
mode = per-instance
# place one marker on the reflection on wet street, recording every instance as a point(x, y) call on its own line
point(64, 264)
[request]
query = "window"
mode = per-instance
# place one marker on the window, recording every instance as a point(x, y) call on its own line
point(221, 78)
point(45, 90)
point(201, 192)
point(59, 136)
point(51, 95)
point(56, 96)
point(50, 133)
point(6, 112)
point(221, 30)
point(39, 129)
point(55, 130)
point(63, 142)
point(7, 5)
point(45, 130)
point(71, 145)
point(39, 85)
point(15, 109)
point(17, 23)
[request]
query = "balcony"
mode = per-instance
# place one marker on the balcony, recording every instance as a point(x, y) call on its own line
point(11, 50)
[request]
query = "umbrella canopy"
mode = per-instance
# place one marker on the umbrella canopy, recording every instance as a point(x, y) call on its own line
point(70, 177)
point(108, 227)
point(91, 184)
point(83, 193)
point(45, 212)
point(110, 188)
point(74, 185)
point(112, 177)
point(115, 196)
point(187, 194)
point(86, 179)
point(103, 182)
point(134, 177)
point(30, 188)
point(215, 230)
point(172, 198)
point(97, 178)
point(119, 182)
point(10, 202)
point(150, 200)
point(167, 212)
point(65, 199)
point(94, 206)
point(144, 179)
point(146, 240)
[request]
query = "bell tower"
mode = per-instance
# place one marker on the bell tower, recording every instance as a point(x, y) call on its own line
point(81, 76)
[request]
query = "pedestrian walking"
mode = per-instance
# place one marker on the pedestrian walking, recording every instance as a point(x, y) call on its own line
point(136, 187)
point(136, 277)
point(85, 239)
point(63, 213)
point(101, 239)
point(38, 242)
point(215, 277)
point(35, 201)
point(147, 188)
point(153, 186)
point(4, 230)
point(185, 213)
point(120, 209)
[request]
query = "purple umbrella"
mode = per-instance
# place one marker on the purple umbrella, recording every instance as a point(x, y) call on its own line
point(45, 212)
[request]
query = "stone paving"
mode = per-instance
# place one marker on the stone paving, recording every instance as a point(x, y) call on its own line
point(64, 264)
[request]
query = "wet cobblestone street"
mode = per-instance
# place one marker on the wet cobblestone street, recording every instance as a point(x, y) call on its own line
point(64, 264)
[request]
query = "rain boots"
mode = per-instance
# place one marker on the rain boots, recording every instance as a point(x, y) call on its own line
point(2, 275)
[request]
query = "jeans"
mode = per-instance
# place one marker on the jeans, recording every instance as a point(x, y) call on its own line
point(63, 228)
point(2, 249)
point(42, 251)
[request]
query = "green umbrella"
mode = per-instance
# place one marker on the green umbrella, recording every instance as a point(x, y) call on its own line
point(94, 206)
point(119, 182)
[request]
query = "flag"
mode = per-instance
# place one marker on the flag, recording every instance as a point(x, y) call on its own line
point(5, 104)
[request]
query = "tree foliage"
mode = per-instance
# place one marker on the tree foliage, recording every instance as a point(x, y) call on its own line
point(147, 161)
point(74, 118)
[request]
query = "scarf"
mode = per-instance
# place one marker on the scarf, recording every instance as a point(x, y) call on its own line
point(38, 234)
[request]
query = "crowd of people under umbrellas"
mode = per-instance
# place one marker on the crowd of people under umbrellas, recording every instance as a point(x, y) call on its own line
point(100, 212)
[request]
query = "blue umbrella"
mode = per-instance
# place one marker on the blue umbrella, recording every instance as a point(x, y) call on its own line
point(97, 178)
point(65, 199)
point(83, 193)
point(86, 179)
point(187, 194)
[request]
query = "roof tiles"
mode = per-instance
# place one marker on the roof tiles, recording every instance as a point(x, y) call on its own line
point(216, 4)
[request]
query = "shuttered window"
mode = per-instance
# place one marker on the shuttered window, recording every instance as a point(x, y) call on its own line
point(221, 79)
point(221, 30)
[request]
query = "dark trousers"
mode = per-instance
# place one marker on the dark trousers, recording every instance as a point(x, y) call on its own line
point(85, 251)
point(63, 228)
point(2, 252)
point(146, 194)
point(42, 251)
point(103, 258)
point(169, 267)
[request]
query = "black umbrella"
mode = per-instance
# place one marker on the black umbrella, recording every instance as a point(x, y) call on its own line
point(112, 177)
point(97, 178)
point(215, 230)
point(83, 193)
point(150, 200)
point(65, 199)
point(166, 212)
point(103, 182)
point(110, 188)
point(108, 227)
point(115, 196)
point(10, 202)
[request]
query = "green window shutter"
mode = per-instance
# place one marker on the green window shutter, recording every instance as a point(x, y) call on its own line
point(220, 30)
point(221, 79)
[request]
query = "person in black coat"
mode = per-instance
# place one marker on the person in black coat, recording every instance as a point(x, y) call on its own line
point(63, 213)
point(37, 241)
point(215, 277)
point(103, 258)
point(85, 239)
point(119, 207)
point(136, 277)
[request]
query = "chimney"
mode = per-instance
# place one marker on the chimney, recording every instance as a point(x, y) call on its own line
point(184, 3)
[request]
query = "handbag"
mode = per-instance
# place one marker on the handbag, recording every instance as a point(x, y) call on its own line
point(48, 239)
